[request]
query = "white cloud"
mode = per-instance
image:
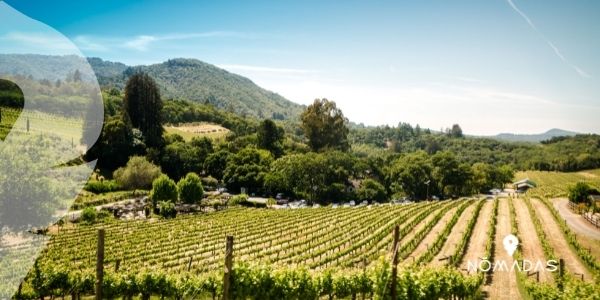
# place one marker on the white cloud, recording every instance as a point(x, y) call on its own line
point(140, 43)
point(144, 42)
point(49, 41)
point(558, 53)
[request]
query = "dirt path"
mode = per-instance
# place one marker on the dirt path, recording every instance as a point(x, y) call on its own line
point(431, 236)
point(529, 240)
point(577, 223)
point(557, 240)
point(455, 235)
point(504, 282)
point(476, 245)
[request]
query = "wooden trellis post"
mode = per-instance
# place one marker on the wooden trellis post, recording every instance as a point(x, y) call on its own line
point(395, 249)
point(100, 264)
point(228, 268)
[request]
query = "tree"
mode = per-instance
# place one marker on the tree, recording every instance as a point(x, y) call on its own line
point(139, 173)
point(247, 169)
point(190, 189)
point(580, 192)
point(412, 175)
point(143, 105)
point(270, 137)
point(325, 126)
point(179, 159)
point(117, 143)
point(315, 176)
point(448, 173)
point(216, 163)
point(456, 131)
point(163, 189)
point(371, 190)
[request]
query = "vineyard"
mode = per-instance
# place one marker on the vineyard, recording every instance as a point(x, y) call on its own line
point(20, 120)
point(556, 184)
point(325, 252)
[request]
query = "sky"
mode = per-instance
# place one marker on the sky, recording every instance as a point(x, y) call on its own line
point(520, 66)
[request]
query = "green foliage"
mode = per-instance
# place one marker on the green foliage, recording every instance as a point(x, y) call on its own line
point(237, 200)
point(412, 174)
point(203, 83)
point(325, 126)
point(167, 209)
point(209, 182)
point(143, 106)
point(89, 215)
point(216, 163)
point(580, 192)
point(562, 154)
point(163, 189)
point(266, 282)
point(190, 189)
point(371, 190)
point(179, 157)
point(247, 169)
point(139, 173)
point(270, 137)
point(316, 176)
point(104, 186)
point(115, 145)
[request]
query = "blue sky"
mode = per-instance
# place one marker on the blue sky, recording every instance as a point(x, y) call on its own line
point(521, 66)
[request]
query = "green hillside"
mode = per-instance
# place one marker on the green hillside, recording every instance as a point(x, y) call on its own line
point(197, 81)
point(187, 79)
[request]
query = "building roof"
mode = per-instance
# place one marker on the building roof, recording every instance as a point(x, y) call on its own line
point(525, 182)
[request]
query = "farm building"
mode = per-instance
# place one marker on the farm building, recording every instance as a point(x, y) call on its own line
point(524, 185)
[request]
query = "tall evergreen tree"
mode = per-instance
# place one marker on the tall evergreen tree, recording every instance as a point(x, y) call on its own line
point(143, 105)
point(270, 137)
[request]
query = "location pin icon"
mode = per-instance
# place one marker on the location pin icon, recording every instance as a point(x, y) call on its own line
point(510, 244)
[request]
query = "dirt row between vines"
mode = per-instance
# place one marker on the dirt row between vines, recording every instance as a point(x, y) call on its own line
point(531, 246)
point(504, 283)
point(558, 242)
point(455, 235)
point(476, 246)
point(431, 236)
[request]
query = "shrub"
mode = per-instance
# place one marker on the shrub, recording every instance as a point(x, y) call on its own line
point(371, 190)
point(163, 189)
point(139, 173)
point(190, 189)
point(167, 209)
point(89, 215)
point(100, 187)
point(238, 200)
point(210, 183)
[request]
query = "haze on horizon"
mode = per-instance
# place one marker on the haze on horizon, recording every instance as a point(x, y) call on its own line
point(490, 66)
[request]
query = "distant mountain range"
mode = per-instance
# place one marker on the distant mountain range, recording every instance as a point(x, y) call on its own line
point(187, 79)
point(535, 138)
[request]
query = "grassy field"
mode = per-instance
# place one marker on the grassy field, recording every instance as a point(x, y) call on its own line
point(190, 130)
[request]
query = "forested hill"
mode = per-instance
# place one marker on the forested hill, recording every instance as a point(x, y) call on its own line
point(536, 138)
point(186, 79)
point(198, 81)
